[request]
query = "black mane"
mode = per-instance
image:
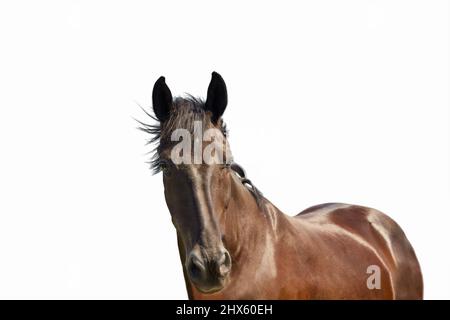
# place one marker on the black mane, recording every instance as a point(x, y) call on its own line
point(184, 112)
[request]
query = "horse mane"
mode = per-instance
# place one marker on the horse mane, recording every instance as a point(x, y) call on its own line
point(184, 112)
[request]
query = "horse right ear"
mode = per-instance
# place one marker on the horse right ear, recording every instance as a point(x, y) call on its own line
point(162, 99)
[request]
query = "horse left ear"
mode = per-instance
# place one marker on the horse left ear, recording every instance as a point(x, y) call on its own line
point(217, 98)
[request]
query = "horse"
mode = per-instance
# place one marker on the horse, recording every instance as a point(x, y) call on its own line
point(235, 244)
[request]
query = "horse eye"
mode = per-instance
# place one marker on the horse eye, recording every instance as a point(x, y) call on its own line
point(163, 166)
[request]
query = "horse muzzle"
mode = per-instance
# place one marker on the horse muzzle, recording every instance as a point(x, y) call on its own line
point(209, 270)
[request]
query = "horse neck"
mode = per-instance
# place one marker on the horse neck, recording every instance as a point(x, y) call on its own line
point(244, 223)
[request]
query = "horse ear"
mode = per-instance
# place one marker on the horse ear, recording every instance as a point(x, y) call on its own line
point(217, 98)
point(162, 99)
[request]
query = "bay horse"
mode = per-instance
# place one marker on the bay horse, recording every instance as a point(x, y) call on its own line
point(235, 244)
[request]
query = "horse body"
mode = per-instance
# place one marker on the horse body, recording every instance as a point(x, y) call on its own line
point(322, 253)
point(235, 244)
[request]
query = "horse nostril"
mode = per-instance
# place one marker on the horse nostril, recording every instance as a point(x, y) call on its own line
point(195, 268)
point(224, 264)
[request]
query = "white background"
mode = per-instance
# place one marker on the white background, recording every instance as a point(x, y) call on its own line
point(341, 101)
